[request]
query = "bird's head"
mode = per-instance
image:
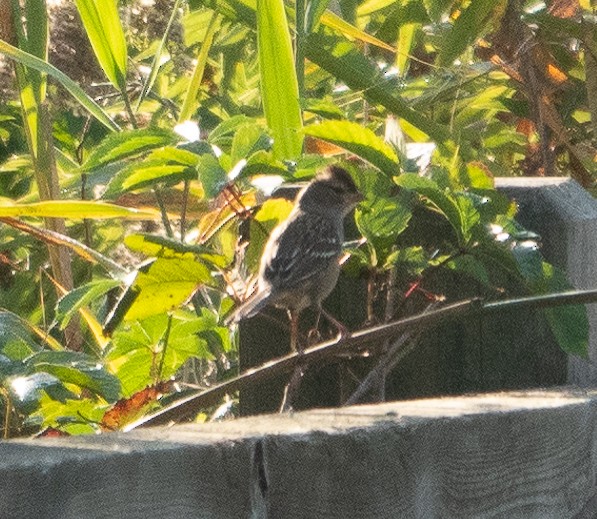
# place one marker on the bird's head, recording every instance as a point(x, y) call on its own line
point(333, 190)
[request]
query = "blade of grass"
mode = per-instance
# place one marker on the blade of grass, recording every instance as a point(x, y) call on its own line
point(74, 209)
point(190, 101)
point(156, 63)
point(106, 35)
point(350, 31)
point(104, 30)
point(73, 88)
point(279, 86)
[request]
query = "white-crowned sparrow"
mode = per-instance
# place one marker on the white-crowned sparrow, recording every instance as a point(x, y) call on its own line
point(300, 263)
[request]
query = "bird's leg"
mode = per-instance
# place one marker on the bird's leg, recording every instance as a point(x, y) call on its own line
point(292, 388)
point(313, 336)
point(343, 332)
point(293, 316)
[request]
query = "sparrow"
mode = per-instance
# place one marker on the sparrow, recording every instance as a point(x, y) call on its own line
point(300, 265)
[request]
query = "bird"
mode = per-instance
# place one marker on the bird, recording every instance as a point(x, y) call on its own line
point(300, 265)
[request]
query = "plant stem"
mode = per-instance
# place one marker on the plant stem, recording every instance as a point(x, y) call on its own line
point(164, 213)
point(164, 341)
point(183, 212)
point(128, 108)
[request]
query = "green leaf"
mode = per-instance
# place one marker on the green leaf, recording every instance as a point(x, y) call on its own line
point(125, 145)
point(32, 83)
point(75, 90)
point(477, 177)
point(190, 101)
point(221, 135)
point(74, 209)
point(71, 416)
point(137, 353)
point(76, 368)
point(104, 30)
point(80, 297)
point(166, 285)
point(341, 58)
point(332, 20)
point(359, 140)
point(279, 86)
point(313, 13)
point(263, 163)
point(569, 324)
point(382, 220)
point(470, 266)
point(325, 108)
point(161, 247)
point(459, 210)
point(163, 166)
point(153, 173)
point(16, 337)
point(157, 59)
point(248, 139)
point(406, 41)
point(413, 259)
point(468, 215)
point(26, 390)
point(467, 28)
point(212, 175)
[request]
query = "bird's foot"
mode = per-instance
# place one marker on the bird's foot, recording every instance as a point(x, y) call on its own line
point(343, 332)
point(313, 337)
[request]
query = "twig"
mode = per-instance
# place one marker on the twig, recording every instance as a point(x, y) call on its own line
point(291, 390)
point(377, 375)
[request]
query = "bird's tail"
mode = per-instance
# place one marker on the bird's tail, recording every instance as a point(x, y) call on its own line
point(250, 307)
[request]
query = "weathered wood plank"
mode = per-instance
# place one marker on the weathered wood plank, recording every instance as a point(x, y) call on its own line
point(565, 216)
point(512, 455)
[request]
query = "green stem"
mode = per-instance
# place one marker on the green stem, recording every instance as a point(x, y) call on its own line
point(163, 212)
point(128, 107)
point(183, 212)
point(164, 341)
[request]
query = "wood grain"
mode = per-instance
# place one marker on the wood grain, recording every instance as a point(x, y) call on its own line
point(511, 455)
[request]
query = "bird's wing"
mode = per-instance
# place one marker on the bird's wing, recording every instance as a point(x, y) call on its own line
point(301, 249)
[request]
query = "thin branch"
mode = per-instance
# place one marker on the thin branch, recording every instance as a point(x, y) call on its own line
point(377, 375)
point(569, 297)
point(53, 237)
